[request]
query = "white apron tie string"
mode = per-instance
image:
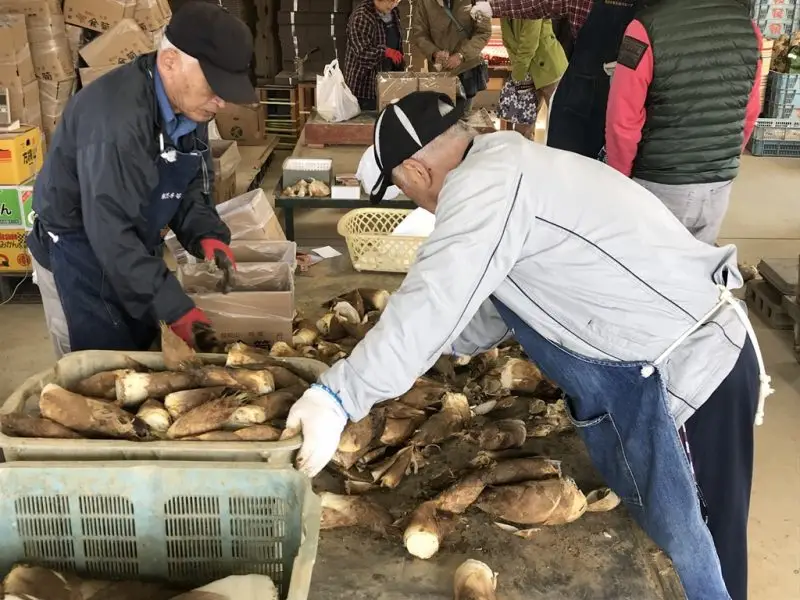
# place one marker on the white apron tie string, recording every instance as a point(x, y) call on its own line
point(725, 297)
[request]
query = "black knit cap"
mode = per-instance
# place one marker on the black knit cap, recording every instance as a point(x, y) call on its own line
point(406, 126)
point(222, 44)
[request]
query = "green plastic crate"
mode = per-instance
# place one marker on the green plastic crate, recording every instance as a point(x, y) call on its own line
point(187, 523)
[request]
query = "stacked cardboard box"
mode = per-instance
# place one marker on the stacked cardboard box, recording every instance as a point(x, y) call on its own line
point(318, 25)
point(98, 15)
point(53, 63)
point(261, 307)
point(21, 150)
point(393, 86)
point(119, 45)
point(16, 70)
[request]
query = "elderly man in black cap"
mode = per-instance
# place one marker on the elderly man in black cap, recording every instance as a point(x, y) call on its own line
point(129, 158)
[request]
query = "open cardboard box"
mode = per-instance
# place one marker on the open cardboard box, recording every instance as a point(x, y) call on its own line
point(260, 309)
point(249, 217)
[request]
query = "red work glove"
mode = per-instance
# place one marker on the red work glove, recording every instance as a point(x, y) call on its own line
point(185, 327)
point(222, 255)
point(394, 55)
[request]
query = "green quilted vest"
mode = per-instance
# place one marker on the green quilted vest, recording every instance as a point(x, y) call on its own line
point(705, 55)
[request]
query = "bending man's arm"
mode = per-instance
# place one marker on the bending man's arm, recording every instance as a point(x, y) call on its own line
point(469, 254)
point(625, 115)
point(115, 183)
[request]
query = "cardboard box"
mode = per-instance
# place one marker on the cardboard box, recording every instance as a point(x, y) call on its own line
point(249, 217)
point(259, 310)
point(89, 74)
point(38, 13)
point(255, 318)
point(444, 83)
point(119, 45)
point(14, 255)
point(15, 53)
point(52, 57)
point(226, 157)
point(99, 15)
point(16, 206)
point(25, 105)
point(224, 188)
point(245, 124)
point(20, 155)
point(393, 86)
point(152, 15)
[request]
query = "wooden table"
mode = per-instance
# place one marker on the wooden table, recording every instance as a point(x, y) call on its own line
point(345, 160)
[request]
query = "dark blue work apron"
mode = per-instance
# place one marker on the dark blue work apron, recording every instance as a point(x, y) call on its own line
point(578, 116)
point(632, 440)
point(96, 318)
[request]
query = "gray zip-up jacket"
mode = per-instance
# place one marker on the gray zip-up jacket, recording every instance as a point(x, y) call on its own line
point(585, 256)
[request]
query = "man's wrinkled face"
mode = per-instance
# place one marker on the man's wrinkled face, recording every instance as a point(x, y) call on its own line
point(187, 87)
point(420, 184)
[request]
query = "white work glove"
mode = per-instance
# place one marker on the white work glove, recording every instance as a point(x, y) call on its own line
point(321, 419)
point(481, 10)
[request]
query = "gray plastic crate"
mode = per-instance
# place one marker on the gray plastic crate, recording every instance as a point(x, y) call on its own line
point(767, 302)
point(78, 365)
point(186, 523)
point(786, 149)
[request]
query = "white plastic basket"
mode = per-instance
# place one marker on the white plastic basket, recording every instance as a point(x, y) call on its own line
point(372, 247)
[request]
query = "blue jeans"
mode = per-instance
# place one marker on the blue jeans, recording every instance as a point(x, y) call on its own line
point(634, 444)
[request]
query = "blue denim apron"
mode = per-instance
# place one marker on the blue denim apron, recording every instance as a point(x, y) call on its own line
point(632, 440)
point(96, 318)
point(578, 115)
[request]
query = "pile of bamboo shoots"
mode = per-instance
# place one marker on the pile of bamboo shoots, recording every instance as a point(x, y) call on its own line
point(246, 400)
point(497, 401)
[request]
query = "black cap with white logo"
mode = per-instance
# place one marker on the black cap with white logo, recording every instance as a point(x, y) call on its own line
point(222, 44)
point(405, 127)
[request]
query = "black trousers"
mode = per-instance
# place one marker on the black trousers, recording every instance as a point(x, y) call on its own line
point(720, 438)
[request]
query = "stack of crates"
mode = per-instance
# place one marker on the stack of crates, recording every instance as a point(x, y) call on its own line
point(783, 96)
point(776, 17)
point(775, 137)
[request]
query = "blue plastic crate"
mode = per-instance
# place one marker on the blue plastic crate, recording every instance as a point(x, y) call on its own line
point(183, 522)
point(776, 110)
point(789, 149)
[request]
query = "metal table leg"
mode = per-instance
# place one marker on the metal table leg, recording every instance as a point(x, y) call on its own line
point(288, 222)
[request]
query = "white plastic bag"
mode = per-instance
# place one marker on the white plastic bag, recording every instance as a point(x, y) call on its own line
point(335, 101)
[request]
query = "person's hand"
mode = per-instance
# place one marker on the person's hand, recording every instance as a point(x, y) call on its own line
point(441, 57)
point(394, 55)
point(481, 10)
point(222, 255)
point(454, 61)
point(321, 419)
point(189, 324)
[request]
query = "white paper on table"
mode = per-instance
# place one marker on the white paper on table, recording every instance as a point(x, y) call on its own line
point(419, 223)
point(326, 252)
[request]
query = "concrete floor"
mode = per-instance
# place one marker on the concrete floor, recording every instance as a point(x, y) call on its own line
point(763, 222)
